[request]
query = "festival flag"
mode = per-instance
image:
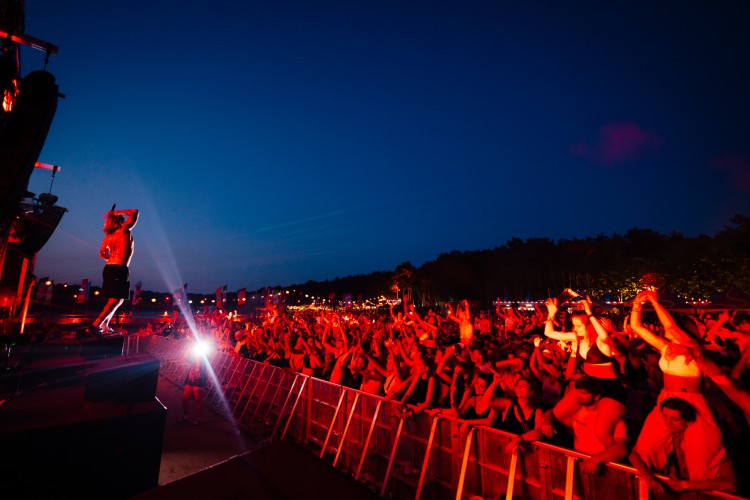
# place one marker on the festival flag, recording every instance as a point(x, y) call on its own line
point(83, 292)
point(347, 297)
point(180, 294)
point(241, 296)
point(136, 294)
point(221, 296)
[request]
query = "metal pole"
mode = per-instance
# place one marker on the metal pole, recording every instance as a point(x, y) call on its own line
point(22, 280)
point(25, 309)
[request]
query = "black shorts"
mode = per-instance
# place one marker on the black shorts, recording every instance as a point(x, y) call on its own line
point(116, 284)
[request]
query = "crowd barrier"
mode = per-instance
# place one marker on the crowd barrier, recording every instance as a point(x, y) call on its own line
point(426, 456)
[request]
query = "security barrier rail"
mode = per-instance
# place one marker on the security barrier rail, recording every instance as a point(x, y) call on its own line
point(426, 456)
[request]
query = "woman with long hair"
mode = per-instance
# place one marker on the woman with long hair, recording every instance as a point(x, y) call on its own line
point(476, 401)
point(593, 352)
point(520, 415)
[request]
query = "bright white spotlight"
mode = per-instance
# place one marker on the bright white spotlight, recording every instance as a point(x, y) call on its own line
point(202, 348)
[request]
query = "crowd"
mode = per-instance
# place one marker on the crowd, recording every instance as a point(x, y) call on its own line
point(665, 392)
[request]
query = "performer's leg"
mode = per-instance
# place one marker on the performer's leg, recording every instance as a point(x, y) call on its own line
point(102, 321)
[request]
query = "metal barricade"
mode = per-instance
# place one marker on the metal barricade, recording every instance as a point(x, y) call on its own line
point(426, 456)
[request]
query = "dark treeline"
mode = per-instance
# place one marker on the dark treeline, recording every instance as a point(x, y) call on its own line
point(605, 266)
point(536, 268)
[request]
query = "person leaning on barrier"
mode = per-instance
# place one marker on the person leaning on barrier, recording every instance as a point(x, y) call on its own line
point(454, 376)
point(519, 415)
point(475, 404)
point(421, 392)
point(682, 379)
point(584, 424)
point(678, 416)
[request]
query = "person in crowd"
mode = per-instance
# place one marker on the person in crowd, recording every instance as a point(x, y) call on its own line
point(703, 446)
point(454, 374)
point(421, 393)
point(364, 358)
point(483, 325)
point(195, 385)
point(476, 401)
point(462, 317)
point(520, 415)
point(242, 346)
point(584, 424)
point(592, 350)
point(425, 330)
point(672, 456)
point(336, 342)
point(510, 318)
point(395, 372)
point(546, 363)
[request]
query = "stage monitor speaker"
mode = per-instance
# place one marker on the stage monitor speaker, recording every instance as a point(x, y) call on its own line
point(126, 380)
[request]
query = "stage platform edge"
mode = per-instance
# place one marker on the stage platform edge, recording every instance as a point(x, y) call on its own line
point(278, 470)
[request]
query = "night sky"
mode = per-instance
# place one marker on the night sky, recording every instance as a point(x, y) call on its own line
point(271, 143)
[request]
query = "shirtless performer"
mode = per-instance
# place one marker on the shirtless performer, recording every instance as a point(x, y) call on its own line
point(117, 250)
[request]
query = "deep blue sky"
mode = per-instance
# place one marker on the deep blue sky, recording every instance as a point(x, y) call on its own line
point(269, 143)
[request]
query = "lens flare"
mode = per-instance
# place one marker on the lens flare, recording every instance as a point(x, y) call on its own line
point(202, 348)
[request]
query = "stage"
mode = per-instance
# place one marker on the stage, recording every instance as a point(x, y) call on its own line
point(94, 423)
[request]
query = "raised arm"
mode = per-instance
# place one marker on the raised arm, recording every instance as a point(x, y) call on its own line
point(132, 217)
point(549, 328)
point(601, 332)
point(376, 364)
point(324, 339)
point(534, 361)
point(451, 316)
point(635, 322)
point(711, 370)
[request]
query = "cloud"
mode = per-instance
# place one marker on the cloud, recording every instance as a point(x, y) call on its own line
point(617, 144)
point(737, 166)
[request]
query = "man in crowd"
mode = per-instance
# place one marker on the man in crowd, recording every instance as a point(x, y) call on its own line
point(583, 425)
point(669, 459)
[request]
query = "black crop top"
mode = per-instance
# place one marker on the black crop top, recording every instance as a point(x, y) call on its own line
point(594, 356)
